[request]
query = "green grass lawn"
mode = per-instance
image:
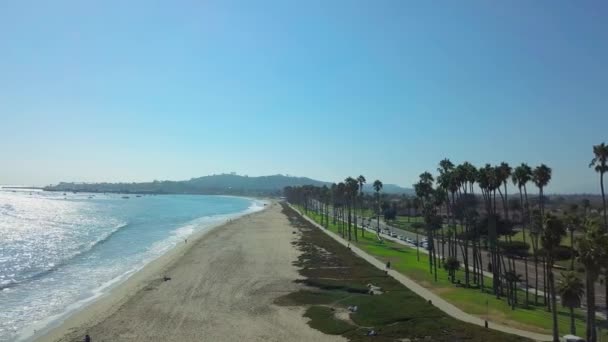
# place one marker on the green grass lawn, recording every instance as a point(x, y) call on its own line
point(405, 223)
point(472, 301)
point(519, 236)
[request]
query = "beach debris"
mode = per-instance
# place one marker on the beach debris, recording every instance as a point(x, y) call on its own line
point(165, 278)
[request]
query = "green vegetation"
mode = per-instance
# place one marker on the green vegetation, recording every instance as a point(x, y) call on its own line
point(480, 230)
point(337, 279)
point(471, 300)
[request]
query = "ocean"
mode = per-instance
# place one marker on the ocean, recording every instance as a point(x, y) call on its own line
point(59, 251)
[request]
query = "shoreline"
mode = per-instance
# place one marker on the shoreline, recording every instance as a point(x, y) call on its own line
point(97, 308)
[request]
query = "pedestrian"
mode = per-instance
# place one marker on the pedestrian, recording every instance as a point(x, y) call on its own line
point(87, 338)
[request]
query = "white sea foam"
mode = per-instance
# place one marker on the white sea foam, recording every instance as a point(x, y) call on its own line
point(88, 248)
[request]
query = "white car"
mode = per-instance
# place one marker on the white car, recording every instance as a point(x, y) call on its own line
point(393, 234)
point(572, 338)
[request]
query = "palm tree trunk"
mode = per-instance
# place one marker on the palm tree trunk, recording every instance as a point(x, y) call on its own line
point(553, 302)
point(523, 228)
point(349, 222)
point(572, 249)
point(417, 245)
point(535, 278)
point(545, 292)
point(591, 336)
point(572, 325)
point(378, 214)
point(604, 201)
point(481, 277)
point(606, 228)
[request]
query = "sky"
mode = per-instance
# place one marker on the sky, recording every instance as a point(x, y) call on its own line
point(143, 90)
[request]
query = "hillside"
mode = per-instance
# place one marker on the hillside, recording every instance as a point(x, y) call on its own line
point(229, 184)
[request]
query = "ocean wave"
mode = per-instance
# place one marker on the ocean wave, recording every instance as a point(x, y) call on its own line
point(56, 266)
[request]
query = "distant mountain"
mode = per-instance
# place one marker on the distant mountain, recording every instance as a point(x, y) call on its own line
point(215, 184)
point(228, 184)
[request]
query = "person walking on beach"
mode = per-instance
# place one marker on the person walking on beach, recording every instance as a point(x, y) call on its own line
point(388, 266)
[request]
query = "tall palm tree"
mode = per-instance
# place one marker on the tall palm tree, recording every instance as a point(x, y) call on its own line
point(551, 239)
point(340, 201)
point(600, 161)
point(571, 290)
point(504, 173)
point(586, 203)
point(424, 192)
point(600, 164)
point(361, 180)
point(522, 175)
point(377, 187)
point(573, 222)
point(445, 181)
point(592, 254)
point(352, 190)
point(541, 176)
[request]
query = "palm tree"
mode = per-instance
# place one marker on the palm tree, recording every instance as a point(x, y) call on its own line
point(361, 180)
point(504, 172)
point(551, 239)
point(573, 222)
point(451, 264)
point(541, 177)
point(377, 187)
point(571, 290)
point(586, 203)
point(601, 166)
point(521, 176)
point(445, 181)
point(430, 200)
point(512, 279)
point(592, 254)
point(600, 161)
point(352, 190)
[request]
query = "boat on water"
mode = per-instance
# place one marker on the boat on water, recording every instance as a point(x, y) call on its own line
point(125, 197)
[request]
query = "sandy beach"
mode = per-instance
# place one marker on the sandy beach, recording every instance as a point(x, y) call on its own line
point(222, 287)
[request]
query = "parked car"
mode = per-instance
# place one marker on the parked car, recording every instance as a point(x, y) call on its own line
point(572, 338)
point(393, 234)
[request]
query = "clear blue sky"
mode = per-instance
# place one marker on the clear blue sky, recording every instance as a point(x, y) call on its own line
point(143, 90)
